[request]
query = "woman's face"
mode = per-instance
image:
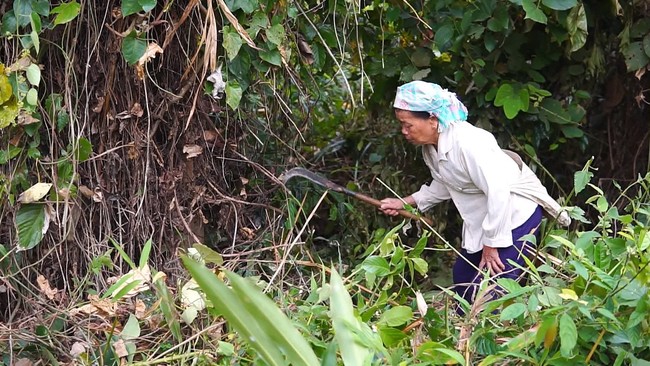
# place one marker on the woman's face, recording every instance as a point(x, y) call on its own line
point(418, 130)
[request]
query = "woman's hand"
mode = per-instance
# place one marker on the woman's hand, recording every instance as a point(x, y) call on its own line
point(390, 206)
point(490, 260)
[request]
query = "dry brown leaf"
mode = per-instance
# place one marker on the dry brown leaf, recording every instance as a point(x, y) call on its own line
point(98, 196)
point(192, 150)
point(235, 23)
point(120, 349)
point(44, 286)
point(23, 362)
point(305, 50)
point(77, 349)
point(136, 110)
point(244, 180)
point(140, 309)
point(105, 305)
point(249, 233)
point(99, 106)
point(87, 192)
point(35, 193)
point(152, 50)
point(25, 118)
point(210, 135)
point(640, 72)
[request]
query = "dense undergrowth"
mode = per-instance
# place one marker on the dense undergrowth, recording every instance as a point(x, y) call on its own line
point(143, 221)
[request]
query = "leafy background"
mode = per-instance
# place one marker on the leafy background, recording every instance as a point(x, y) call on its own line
point(139, 128)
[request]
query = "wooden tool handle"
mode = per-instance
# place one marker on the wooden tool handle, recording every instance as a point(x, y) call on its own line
point(377, 203)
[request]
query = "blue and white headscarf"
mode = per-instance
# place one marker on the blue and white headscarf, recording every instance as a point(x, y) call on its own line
point(421, 96)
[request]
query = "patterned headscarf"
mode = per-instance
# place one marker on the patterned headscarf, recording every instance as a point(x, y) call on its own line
point(420, 96)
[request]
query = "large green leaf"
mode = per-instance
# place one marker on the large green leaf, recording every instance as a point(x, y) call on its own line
point(147, 5)
point(513, 311)
point(6, 92)
point(346, 325)
point(9, 23)
point(560, 4)
point(396, 316)
point(577, 26)
point(513, 100)
point(271, 56)
point(233, 94)
point(66, 12)
point(41, 7)
point(533, 12)
point(232, 42)
point(376, 265)
point(22, 11)
point(275, 34)
point(568, 335)
point(580, 180)
point(130, 7)
point(83, 149)
point(255, 317)
point(30, 221)
point(133, 48)
point(8, 112)
point(635, 56)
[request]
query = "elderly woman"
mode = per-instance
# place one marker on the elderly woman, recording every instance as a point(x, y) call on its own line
point(499, 198)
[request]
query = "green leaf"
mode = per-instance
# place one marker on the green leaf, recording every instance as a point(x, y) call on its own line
point(639, 314)
point(646, 44)
point(572, 131)
point(131, 329)
point(376, 265)
point(560, 4)
point(133, 48)
point(552, 110)
point(421, 266)
point(208, 255)
point(513, 311)
point(22, 11)
point(33, 74)
point(130, 7)
point(30, 222)
point(36, 24)
point(233, 94)
point(391, 336)
point(168, 308)
point(635, 56)
point(83, 149)
point(35, 40)
point(396, 316)
point(147, 5)
point(577, 26)
point(8, 112)
point(144, 256)
point(32, 97)
point(568, 335)
point(437, 354)
point(443, 36)
point(345, 324)
point(6, 92)
point(9, 23)
point(41, 7)
point(66, 12)
point(580, 180)
point(232, 42)
point(533, 12)
point(271, 56)
point(276, 34)
point(258, 22)
point(255, 317)
point(510, 100)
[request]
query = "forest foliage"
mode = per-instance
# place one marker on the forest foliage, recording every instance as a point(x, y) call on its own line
point(156, 130)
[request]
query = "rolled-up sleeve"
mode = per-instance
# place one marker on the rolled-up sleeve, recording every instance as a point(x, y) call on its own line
point(430, 194)
point(483, 165)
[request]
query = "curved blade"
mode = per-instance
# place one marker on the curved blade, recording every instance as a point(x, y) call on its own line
point(316, 178)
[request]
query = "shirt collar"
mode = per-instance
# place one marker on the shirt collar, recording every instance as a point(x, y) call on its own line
point(445, 143)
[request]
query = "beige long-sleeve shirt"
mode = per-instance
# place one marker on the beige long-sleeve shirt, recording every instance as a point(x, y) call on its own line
point(492, 191)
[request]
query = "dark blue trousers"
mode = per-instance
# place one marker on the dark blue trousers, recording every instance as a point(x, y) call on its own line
point(467, 279)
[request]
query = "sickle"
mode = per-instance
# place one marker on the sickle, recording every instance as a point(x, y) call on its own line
point(326, 183)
